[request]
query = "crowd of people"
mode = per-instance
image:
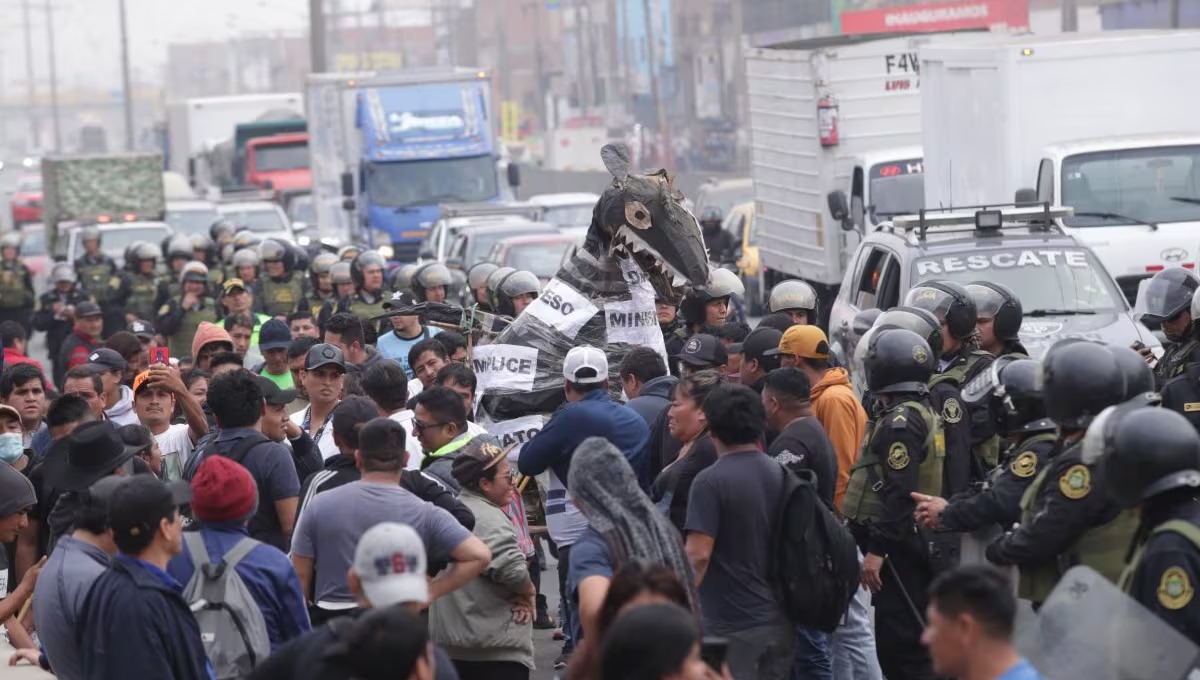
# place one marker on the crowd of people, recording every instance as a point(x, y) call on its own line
point(240, 473)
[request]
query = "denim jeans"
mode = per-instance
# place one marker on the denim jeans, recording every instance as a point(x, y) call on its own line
point(763, 653)
point(813, 661)
point(853, 643)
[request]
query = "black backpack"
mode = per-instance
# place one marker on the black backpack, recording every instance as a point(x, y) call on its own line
point(815, 565)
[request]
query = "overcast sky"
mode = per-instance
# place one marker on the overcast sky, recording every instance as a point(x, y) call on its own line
point(88, 34)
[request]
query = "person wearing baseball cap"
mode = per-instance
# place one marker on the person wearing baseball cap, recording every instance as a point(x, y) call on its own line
point(702, 352)
point(83, 340)
point(322, 377)
point(277, 426)
point(224, 498)
point(144, 330)
point(756, 363)
point(274, 338)
point(118, 399)
point(157, 392)
point(136, 606)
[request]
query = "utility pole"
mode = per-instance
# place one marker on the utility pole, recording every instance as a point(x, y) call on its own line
point(53, 77)
point(1070, 16)
point(316, 36)
point(33, 118)
point(581, 82)
point(664, 132)
point(1174, 13)
point(127, 89)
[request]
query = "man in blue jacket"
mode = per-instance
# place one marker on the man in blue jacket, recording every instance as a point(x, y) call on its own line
point(136, 623)
point(589, 412)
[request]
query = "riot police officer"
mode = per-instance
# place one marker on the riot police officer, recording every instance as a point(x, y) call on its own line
point(1182, 392)
point(204, 250)
point(320, 283)
point(998, 319)
point(244, 238)
point(1013, 386)
point(477, 277)
point(244, 265)
point(431, 282)
point(903, 454)
point(140, 287)
point(961, 360)
point(281, 290)
point(720, 243)
point(179, 318)
point(1150, 459)
point(674, 331)
point(55, 315)
point(98, 277)
point(795, 298)
point(710, 305)
point(1168, 301)
point(1065, 520)
point(348, 253)
point(179, 252)
point(493, 285)
point(16, 284)
point(366, 271)
point(221, 232)
point(516, 292)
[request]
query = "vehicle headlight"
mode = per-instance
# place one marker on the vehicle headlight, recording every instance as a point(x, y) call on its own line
point(303, 240)
point(386, 251)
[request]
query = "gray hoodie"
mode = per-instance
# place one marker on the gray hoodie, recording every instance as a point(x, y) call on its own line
point(122, 412)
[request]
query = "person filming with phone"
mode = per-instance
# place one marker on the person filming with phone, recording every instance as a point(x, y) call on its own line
point(156, 392)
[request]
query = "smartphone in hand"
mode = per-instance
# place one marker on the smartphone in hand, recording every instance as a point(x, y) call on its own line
point(160, 355)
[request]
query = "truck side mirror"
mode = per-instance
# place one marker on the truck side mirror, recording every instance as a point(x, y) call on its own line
point(348, 184)
point(1026, 195)
point(514, 175)
point(837, 205)
point(348, 204)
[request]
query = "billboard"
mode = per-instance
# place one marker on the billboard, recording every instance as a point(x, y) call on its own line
point(935, 16)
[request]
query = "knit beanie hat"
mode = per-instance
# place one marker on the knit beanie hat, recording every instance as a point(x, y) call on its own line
point(223, 491)
point(209, 332)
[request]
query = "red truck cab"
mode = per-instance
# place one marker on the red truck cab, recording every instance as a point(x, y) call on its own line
point(279, 162)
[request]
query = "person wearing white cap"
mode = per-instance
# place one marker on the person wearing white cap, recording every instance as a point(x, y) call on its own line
point(591, 412)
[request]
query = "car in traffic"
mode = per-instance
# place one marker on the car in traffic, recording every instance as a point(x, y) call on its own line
point(472, 244)
point(114, 239)
point(26, 200)
point(720, 195)
point(566, 209)
point(457, 217)
point(540, 254)
point(1064, 289)
point(265, 218)
point(191, 216)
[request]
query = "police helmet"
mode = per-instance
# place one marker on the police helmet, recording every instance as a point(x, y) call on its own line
point(897, 360)
point(89, 233)
point(1143, 452)
point(244, 257)
point(793, 294)
point(1168, 294)
point(202, 242)
point(194, 271)
point(10, 240)
point(348, 253)
point(997, 302)
point(367, 258)
point(920, 321)
point(401, 278)
point(322, 262)
point(339, 273)
point(146, 251)
point(515, 284)
point(222, 231)
point(710, 217)
point(246, 239)
point(62, 272)
point(950, 302)
point(722, 284)
point(179, 245)
point(864, 321)
point(1014, 386)
point(1079, 380)
point(429, 276)
point(1139, 378)
point(227, 252)
point(493, 284)
point(479, 272)
point(271, 250)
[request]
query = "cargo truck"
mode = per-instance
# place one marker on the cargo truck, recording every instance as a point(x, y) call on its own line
point(269, 154)
point(835, 150)
point(1104, 123)
point(97, 189)
point(387, 149)
point(196, 125)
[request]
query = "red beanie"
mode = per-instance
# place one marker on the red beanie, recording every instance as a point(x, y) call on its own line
point(223, 491)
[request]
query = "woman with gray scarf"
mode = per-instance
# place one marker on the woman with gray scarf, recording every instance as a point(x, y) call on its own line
point(624, 525)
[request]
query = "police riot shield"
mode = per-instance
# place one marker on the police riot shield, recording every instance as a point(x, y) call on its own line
point(1089, 630)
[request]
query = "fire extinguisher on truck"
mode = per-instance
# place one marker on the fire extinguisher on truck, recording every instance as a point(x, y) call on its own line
point(827, 120)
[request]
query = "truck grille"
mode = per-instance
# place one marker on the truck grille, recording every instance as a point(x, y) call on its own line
point(405, 253)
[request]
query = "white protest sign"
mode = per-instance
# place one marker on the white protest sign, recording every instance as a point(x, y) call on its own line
point(563, 308)
point(634, 322)
point(516, 433)
point(510, 367)
point(639, 284)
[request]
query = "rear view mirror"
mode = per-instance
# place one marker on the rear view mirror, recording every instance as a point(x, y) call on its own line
point(348, 184)
point(837, 206)
point(1026, 195)
point(426, 255)
point(514, 175)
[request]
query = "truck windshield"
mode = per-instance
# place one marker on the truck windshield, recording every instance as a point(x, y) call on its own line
point(256, 220)
point(1060, 279)
point(1159, 184)
point(192, 221)
point(896, 188)
point(411, 183)
point(542, 259)
point(281, 157)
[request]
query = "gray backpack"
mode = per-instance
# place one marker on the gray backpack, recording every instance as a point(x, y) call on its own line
point(231, 623)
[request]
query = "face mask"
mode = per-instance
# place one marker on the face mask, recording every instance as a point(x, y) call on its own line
point(11, 447)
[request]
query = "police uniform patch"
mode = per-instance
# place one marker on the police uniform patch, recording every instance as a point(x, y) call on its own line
point(919, 354)
point(114, 282)
point(1076, 482)
point(898, 456)
point(1025, 465)
point(952, 411)
point(1175, 589)
point(1191, 407)
point(164, 309)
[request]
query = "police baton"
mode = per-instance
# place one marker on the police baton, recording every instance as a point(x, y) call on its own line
point(903, 591)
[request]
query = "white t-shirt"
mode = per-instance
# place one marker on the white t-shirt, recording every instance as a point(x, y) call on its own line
point(414, 388)
point(411, 443)
point(176, 446)
point(325, 443)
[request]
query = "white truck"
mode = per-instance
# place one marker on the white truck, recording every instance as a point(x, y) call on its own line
point(196, 125)
point(836, 133)
point(1104, 123)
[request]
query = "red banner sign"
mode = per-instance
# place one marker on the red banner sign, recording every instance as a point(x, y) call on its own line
point(940, 16)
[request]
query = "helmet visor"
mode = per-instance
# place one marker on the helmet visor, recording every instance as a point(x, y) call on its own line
point(1093, 446)
point(988, 301)
point(1165, 299)
point(937, 302)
